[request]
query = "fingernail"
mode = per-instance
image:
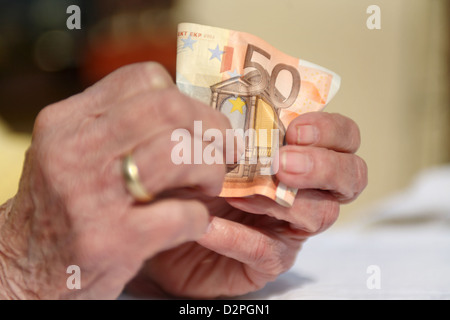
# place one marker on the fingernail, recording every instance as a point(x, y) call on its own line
point(307, 134)
point(296, 162)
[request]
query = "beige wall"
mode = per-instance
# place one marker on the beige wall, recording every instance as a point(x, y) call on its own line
point(393, 79)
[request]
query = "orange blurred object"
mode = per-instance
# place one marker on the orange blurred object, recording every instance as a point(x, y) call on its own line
point(107, 55)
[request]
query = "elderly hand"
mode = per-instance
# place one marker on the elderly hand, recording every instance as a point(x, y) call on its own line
point(72, 207)
point(250, 241)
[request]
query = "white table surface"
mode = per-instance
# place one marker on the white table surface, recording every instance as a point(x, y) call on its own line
point(406, 236)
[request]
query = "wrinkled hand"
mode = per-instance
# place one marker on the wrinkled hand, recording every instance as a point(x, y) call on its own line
point(72, 207)
point(251, 241)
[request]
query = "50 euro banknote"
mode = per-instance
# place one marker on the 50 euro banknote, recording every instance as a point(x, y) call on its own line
point(260, 89)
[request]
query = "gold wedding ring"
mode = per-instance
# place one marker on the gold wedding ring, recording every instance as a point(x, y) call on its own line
point(133, 182)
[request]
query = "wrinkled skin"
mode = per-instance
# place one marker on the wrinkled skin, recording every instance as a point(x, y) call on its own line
point(72, 207)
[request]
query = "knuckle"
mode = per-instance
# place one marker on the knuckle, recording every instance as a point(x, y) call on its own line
point(155, 75)
point(329, 176)
point(44, 120)
point(144, 71)
point(326, 214)
point(329, 120)
point(261, 249)
point(172, 106)
point(151, 68)
point(271, 255)
point(166, 107)
point(347, 129)
point(329, 215)
point(333, 132)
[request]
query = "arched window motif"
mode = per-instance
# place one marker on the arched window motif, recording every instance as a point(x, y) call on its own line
point(235, 108)
point(250, 112)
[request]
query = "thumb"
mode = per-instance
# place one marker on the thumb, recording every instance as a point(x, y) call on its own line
point(166, 224)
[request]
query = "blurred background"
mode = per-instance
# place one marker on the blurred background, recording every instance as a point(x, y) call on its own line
point(395, 81)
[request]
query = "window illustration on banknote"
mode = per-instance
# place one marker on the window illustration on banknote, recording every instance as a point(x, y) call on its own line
point(252, 113)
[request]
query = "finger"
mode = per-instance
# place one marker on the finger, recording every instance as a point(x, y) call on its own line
point(162, 168)
point(327, 130)
point(127, 124)
point(126, 82)
point(164, 225)
point(260, 251)
point(312, 212)
point(343, 174)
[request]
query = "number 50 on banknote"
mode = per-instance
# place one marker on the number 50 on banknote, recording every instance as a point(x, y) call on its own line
point(260, 89)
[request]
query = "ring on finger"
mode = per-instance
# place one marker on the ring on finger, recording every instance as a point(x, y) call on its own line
point(133, 182)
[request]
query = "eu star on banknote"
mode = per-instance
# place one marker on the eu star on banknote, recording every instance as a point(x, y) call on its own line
point(260, 89)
